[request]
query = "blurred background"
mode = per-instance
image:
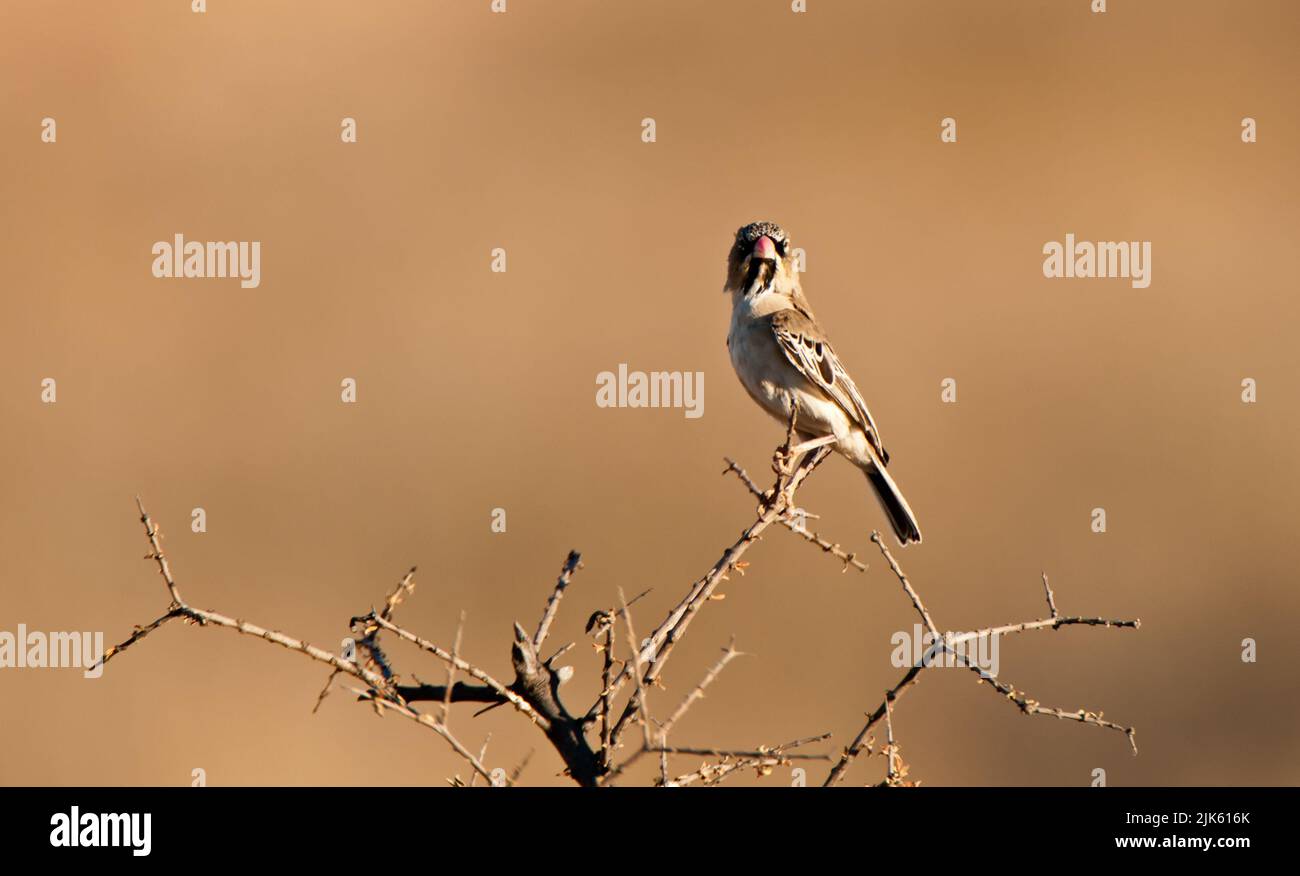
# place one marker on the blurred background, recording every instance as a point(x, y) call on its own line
point(475, 390)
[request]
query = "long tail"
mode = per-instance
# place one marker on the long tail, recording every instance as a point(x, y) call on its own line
point(896, 508)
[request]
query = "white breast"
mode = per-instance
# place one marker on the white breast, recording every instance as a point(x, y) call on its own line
point(769, 377)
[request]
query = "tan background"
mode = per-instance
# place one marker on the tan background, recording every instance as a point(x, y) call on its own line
point(477, 390)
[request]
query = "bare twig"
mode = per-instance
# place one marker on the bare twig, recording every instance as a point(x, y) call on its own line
point(1051, 623)
point(606, 700)
point(729, 653)
point(428, 721)
point(151, 532)
point(792, 521)
point(571, 564)
point(404, 588)
point(519, 770)
point(1033, 707)
point(907, 585)
point(895, 770)
point(862, 740)
point(717, 752)
point(451, 667)
point(714, 774)
point(136, 635)
point(1051, 597)
point(473, 671)
point(634, 648)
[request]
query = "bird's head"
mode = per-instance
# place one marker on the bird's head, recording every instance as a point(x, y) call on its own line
point(761, 259)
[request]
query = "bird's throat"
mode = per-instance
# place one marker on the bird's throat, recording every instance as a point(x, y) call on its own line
point(759, 278)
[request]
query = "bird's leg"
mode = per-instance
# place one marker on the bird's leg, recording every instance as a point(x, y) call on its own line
point(813, 444)
point(790, 460)
point(804, 452)
point(787, 458)
point(784, 457)
point(796, 459)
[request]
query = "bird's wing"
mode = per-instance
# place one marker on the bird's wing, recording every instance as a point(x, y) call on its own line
point(806, 347)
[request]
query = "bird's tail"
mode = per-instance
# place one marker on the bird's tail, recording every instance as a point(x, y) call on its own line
point(896, 508)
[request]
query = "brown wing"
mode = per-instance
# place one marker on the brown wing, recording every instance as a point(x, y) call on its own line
point(805, 345)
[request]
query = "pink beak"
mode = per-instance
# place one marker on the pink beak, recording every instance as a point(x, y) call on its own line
point(764, 248)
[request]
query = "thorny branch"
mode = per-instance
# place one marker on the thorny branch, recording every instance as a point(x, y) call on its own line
point(791, 470)
point(534, 691)
point(945, 645)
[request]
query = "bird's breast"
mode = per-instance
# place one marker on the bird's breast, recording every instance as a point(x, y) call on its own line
point(759, 363)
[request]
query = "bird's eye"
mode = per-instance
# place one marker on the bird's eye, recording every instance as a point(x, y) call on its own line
point(780, 247)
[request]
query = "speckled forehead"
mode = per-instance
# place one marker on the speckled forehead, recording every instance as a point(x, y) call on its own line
point(754, 230)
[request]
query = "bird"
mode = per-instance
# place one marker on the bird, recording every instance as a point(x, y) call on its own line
point(782, 357)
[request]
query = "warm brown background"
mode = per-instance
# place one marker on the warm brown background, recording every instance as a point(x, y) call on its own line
point(477, 390)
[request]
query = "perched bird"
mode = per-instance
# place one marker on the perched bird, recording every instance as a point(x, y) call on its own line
point(781, 353)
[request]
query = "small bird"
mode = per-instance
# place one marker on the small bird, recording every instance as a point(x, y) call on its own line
point(781, 353)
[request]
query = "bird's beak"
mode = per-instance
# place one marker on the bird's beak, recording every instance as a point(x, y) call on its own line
point(764, 249)
point(762, 265)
